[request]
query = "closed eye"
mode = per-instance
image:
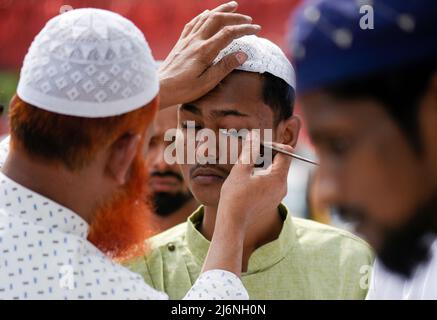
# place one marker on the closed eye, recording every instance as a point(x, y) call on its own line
point(191, 125)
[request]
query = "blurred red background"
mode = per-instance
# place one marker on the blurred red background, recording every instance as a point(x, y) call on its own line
point(160, 20)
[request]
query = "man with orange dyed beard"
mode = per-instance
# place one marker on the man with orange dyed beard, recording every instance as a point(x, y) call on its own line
point(72, 186)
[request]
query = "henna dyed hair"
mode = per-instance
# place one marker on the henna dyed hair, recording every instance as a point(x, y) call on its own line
point(121, 224)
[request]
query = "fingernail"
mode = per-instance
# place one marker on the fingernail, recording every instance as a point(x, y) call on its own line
point(257, 26)
point(233, 3)
point(241, 57)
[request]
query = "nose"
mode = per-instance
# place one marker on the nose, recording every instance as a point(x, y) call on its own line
point(207, 150)
point(159, 162)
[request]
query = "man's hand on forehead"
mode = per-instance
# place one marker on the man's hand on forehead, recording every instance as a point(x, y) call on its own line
point(187, 73)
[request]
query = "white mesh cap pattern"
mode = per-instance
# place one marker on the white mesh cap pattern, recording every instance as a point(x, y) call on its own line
point(89, 63)
point(263, 56)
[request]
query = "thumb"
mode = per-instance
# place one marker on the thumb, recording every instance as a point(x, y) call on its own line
point(221, 69)
point(281, 162)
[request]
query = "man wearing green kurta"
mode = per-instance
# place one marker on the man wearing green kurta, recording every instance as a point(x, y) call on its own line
point(283, 257)
point(307, 261)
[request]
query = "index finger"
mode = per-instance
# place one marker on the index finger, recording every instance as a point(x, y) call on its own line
point(217, 21)
point(198, 21)
point(224, 37)
point(226, 7)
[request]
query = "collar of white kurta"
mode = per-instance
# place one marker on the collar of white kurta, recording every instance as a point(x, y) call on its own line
point(36, 209)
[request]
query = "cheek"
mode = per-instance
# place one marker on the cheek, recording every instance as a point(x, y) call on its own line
point(150, 155)
point(387, 181)
point(429, 134)
point(185, 170)
point(146, 146)
point(147, 137)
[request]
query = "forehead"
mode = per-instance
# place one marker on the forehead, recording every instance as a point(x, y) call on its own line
point(166, 119)
point(323, 111)
point(365, 122)
point(241, 91)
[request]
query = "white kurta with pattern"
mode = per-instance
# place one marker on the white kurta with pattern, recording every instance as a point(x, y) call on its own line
point(44, 254)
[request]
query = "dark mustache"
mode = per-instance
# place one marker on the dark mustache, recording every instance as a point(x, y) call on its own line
point(163, 174)
point(209, 166)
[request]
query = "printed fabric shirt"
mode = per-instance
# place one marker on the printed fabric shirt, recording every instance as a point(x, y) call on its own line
point(44, 254)
point(308, 260)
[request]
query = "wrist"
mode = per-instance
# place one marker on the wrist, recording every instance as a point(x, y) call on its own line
point(163, 92)
point(231, 220)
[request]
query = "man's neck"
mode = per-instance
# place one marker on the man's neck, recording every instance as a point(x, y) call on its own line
point(175, 218)
point(53, 182)
point(259, 235)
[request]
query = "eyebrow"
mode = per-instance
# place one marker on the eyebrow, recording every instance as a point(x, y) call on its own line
point(188, 107)
point(228, 112)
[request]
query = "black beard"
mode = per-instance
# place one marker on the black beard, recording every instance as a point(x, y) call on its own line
point(167, 203)
point(407, 247)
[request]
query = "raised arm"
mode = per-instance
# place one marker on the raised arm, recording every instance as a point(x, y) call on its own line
point(188, 72)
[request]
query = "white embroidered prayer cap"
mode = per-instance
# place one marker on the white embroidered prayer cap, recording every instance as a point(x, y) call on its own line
point(263, 56)
point(89, 63)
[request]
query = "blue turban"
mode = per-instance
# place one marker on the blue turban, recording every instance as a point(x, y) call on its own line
point(333, 40)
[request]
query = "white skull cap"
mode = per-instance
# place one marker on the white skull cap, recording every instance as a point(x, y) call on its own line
point(89, 63)
point(263, 56)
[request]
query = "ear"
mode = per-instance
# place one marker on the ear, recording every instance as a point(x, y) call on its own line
point(122, 153)
point(288, 131)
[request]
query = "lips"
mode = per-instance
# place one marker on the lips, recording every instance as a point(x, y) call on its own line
point(164, 184)
point(207, 176)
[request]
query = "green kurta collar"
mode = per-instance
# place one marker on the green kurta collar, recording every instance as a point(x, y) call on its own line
point(262, 258)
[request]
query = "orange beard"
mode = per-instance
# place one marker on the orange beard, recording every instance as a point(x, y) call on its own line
point(120, 226)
